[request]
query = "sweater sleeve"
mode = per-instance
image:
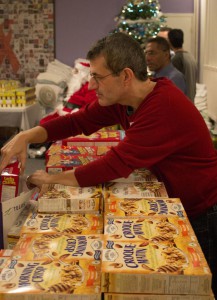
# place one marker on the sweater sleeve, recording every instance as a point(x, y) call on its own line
point(87, 120)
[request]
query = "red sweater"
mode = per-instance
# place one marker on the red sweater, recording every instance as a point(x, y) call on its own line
point(166, 134)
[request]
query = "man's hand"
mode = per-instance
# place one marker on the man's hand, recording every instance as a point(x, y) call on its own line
point(41, 177)
point(15, 148)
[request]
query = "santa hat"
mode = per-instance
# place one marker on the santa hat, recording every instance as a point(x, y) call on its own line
point(82, 65)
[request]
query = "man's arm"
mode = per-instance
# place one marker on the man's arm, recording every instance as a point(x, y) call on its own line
point(17, 146)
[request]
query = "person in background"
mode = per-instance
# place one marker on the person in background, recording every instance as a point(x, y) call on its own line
point(163, 32)
point(157, 53)
point(183, 61)
point(164, 132)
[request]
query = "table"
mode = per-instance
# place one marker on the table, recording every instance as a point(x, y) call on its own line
point(21, 117)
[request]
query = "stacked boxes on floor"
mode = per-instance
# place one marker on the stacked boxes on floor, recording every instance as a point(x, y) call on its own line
point(122, 240)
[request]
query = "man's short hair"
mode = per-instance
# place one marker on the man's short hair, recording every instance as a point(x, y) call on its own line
point(176, 38)
point(120, 51)
point(162, 42)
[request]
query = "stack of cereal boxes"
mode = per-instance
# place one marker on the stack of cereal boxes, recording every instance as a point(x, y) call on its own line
point(9, 189)
point(58, 255)
point(121, 240)
point(80, 150)
point(149, 247)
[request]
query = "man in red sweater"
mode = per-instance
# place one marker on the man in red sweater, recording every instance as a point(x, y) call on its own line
point(164, 133)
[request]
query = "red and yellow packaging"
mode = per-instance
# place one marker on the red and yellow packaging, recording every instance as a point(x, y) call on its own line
point(99, 138)
point(9, 182)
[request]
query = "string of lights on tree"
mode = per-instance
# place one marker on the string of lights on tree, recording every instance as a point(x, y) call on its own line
point(140, 19)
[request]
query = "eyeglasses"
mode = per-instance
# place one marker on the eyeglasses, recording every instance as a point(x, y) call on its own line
point(99, 78)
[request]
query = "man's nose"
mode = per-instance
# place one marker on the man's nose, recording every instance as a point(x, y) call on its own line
point(92, 85)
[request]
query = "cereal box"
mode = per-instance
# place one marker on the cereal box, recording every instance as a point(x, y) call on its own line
point(165, 229)
point(138, 175)
point(5, 255)
point(58, 246)
point(138, 207)
point(61, 162)
point(114, 296)
point(40, 279)
point(63, 223)
point(135, 267)
point(76, 205)
point(60, 198)
point(99, 138)
point(9, 182)
point(14, 232)
point(135, 189)
point(56, 148)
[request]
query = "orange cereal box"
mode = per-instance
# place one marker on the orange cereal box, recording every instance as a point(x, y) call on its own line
point(136, 189)
point(58, 246)
point(138, 207)
point(48, 280)
point(165, 229)
point(63, 223)
point(138, 267)
point(114, 296)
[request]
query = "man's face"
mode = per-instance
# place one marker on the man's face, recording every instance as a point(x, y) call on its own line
point(156, 58)
point(108, 86)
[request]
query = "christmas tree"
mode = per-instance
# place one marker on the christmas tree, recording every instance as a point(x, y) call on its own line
point(140, 19)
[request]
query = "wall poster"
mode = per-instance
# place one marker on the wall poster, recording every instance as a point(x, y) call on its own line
point(26, 38)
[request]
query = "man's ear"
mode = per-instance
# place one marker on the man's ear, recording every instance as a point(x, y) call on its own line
point(127, 75)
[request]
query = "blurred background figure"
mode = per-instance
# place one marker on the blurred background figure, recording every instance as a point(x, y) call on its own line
point(183, 61)
point(157, 54)
point(164, 32)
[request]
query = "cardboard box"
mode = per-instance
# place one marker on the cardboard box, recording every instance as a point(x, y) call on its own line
point(99, 138)
point(78, 279)
point(58, 246)
point(157, 229)
point(68, 199)
point(9, 212)
point(63, 223)
point(135, 267)
point(57, 148)
point(140, 207)
point(9, 182)
point(114, 296)
point(61, 162)
point(14, 232)
point(135, 189)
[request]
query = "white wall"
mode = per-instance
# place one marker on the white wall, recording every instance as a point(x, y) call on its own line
point(187, 23)
point(208, 49)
